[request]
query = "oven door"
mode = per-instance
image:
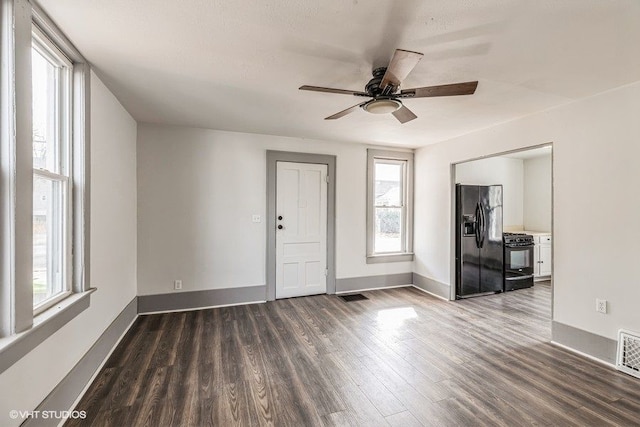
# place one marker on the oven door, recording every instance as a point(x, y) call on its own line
point(518, 261)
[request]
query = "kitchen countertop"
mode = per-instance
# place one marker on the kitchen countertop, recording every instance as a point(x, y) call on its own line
point(536, 233)
point(533, 233)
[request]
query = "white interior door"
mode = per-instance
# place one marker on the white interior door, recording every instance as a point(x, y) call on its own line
point(301, 229)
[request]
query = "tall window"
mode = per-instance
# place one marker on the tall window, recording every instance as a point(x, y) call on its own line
point(45, 185)
point(390, 206)
point(51, 98)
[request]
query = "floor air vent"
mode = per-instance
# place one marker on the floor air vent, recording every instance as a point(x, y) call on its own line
point(353, 297)
point(628, 360)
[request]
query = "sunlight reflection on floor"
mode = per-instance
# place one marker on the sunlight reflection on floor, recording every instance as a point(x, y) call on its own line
point(393, 318)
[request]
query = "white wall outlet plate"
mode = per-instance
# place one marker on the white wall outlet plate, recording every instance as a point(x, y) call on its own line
point(177, 284)
point(601, 306)
point(256, 218)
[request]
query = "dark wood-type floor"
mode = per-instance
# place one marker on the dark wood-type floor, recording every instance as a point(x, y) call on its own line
point(401, 358)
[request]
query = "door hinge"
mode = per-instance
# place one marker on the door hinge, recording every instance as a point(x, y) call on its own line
point(326, 272)
point(326, 178)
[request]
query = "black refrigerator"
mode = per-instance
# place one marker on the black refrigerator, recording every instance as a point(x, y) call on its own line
point(479, 247)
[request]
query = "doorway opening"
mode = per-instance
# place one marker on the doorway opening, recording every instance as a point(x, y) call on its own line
point(526, 180)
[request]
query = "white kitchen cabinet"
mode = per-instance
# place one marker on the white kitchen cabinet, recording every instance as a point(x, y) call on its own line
point(542, 256)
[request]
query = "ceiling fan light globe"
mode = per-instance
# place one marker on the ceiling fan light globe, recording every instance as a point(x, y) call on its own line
point(382, 106)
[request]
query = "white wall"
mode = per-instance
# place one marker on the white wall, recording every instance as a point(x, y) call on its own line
point(596, 201)
point(197, 191)
point(113, 259)
point(498, 170)
point(537, 193)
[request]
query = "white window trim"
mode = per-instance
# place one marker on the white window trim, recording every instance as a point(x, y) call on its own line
point(20, 329)
point(407, 235)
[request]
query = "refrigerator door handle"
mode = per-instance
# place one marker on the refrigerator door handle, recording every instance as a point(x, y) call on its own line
point(483, 226)
point(477, 228)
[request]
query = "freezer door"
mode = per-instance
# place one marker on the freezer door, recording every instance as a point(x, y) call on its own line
point(467, 240)
point(491, 247)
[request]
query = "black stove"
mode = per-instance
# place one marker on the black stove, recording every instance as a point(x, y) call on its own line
point(518, 261)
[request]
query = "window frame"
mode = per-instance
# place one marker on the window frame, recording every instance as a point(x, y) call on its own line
point(402, 206)
point(22, 330)
point(64, 159)
point(406, 158)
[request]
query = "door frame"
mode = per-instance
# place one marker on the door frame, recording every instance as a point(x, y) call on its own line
point(452, 247)
point(273, 157)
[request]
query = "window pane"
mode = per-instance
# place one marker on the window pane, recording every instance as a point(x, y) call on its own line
point(45, 113)
point(388, 231)
point(47, 239)
point(388, 184)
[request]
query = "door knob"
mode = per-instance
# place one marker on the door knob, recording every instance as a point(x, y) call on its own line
point(280, 218)
point(280, 227)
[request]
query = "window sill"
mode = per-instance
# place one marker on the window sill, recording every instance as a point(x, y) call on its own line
point(378, 259)
point(45, 324)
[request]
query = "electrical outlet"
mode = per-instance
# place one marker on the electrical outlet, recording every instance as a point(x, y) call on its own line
point(256, 218)
point(601, 306)
point(177, 284)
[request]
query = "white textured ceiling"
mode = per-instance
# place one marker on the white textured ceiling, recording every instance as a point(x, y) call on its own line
point(237, 64)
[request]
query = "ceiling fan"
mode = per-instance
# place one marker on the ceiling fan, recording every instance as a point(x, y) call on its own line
point(384, 89)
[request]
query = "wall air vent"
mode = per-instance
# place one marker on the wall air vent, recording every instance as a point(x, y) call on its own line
point(628, 360)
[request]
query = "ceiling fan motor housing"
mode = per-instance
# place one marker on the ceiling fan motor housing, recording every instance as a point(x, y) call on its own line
point(373, 87)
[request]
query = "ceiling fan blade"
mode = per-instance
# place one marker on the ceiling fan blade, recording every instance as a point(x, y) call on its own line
point(345, 112)
point(404, 115)
point(331, 90)
point(467, 88)
point(401, 64)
